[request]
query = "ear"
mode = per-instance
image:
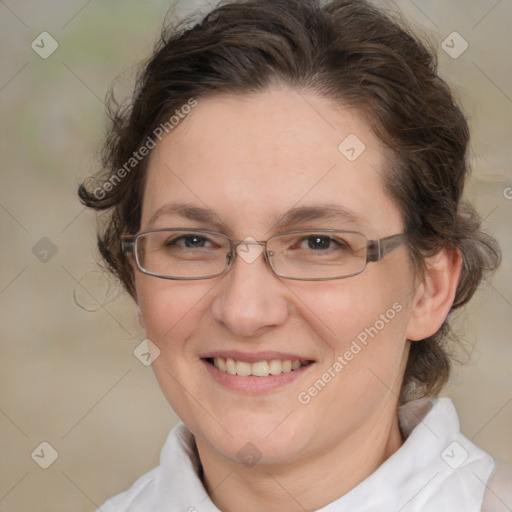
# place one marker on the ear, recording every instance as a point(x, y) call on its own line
point(140, 318)
point(435, 293)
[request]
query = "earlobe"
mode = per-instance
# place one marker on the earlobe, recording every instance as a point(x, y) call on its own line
point(140, 318)
point(435, 293)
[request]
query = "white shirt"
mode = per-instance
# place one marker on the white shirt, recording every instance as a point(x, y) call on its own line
point(437, 469)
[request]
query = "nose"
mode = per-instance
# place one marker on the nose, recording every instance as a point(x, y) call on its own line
point(251, 298)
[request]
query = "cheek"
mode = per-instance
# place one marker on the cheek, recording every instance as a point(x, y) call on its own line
point(170, 308)
point(362, 322)
point(172, 312)
point(341, 310)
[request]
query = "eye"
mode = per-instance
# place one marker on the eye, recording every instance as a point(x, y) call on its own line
point(189, 241)
point(317, 242)
point(322, 243)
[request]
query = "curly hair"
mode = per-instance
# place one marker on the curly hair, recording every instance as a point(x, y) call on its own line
point(345, 50)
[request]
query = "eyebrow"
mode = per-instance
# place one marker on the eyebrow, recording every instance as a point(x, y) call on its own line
point(292, 218)
point(324, 212)
point(189, 212)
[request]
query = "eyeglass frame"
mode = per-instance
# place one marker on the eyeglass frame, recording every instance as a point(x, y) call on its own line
point(375, 251)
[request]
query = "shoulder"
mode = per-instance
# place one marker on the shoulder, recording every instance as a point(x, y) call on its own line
point(498, 494)
point(169, 484)
point(138, 498)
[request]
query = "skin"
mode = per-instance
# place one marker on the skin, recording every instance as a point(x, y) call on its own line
point(249, 159)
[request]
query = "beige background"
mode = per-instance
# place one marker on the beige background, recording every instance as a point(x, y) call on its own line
point(68, 375)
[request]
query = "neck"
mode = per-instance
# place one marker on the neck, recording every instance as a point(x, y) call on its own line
point(308, 484)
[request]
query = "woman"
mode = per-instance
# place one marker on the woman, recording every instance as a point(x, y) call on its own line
point(285, 210)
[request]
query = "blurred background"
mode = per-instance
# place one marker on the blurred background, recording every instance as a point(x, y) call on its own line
point(68, 373)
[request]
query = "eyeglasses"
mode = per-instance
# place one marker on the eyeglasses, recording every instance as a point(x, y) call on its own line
point(307, 255)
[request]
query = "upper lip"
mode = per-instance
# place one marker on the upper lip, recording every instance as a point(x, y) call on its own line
point(254, 357)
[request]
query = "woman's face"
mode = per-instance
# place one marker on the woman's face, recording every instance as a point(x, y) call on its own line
point(246, 162)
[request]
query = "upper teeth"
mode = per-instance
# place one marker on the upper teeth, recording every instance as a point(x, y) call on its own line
point(259, 369)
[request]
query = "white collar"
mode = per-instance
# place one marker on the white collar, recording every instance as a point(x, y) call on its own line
point(437, 469)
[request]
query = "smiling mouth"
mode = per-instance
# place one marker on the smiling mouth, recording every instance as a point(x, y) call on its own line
point(257, 369)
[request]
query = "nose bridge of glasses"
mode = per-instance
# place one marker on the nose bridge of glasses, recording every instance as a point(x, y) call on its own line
point(249, 241)
point(249, 249)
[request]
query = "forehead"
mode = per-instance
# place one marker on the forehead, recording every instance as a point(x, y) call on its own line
point(251, 159)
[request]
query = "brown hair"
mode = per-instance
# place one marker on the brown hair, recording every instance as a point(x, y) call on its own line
point(346, 50)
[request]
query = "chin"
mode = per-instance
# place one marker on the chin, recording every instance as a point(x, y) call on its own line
point(265, 437)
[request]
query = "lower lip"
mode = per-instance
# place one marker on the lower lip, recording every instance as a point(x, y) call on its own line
point(253, 385)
